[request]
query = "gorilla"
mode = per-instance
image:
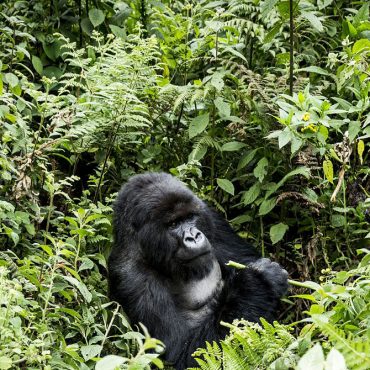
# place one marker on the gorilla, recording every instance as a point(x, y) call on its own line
point(168, 267)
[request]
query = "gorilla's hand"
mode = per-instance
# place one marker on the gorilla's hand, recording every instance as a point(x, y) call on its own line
point(273, 273)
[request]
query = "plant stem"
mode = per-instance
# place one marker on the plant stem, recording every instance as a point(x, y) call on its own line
point(291, 51)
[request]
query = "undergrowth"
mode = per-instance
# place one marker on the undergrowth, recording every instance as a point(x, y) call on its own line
point(262, 109)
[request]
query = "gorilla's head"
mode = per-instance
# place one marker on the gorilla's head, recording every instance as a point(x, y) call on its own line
point(171, 227)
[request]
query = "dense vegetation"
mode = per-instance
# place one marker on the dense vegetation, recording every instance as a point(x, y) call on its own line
point(261, 107)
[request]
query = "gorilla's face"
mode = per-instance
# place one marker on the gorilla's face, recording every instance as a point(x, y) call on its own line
point(174, 230)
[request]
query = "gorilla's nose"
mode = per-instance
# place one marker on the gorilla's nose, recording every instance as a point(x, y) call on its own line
point(193, 237)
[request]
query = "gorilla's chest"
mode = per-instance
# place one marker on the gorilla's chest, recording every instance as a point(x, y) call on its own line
point(195, 296)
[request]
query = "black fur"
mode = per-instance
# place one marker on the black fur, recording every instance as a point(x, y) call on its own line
point(166, 241)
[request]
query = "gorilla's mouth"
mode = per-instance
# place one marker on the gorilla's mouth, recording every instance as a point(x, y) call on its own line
point(195, 257)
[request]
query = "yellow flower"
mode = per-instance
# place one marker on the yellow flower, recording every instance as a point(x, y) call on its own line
point(310, 127)
point(306, 117)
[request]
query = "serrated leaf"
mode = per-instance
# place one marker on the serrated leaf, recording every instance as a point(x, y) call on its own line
point(37, 64)
point(232, 146)
point(96, 17)
point(327, 166)
point(251, 194)
point(277, 232)
point(260, 170)
point(226, 185)
point(198, 125)
point(360, 149)
point(267, 206)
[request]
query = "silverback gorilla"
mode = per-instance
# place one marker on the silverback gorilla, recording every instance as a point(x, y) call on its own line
point(168, 267)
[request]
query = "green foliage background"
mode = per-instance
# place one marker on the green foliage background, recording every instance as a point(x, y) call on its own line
point(261, 107)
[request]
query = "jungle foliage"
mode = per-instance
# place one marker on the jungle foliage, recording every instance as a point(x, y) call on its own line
point(261, 106)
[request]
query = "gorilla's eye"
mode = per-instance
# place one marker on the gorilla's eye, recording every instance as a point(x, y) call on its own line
point(174, 223)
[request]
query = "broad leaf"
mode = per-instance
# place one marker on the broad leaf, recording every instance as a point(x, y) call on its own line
point(277, 232)
point(251, 194)
point(261, 169)
point(226, 185)
point(232, 146)
point(110, 362)
point(96, 17)
point(246, 158)
point(313, 359)
point(37, 64)
point(198, 125)
point(327, 166)
point(267, 206)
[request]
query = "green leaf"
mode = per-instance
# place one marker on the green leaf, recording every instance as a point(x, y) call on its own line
point(118, 31)
point(360, 45)
point(37, 64)
point(251, 194)
point(295, 145)
point(222, 107)
point(267, 206)
point(338, 220)
point(260, 170)
point(360, 149)
point(96, 17)
point(198, 125)
point(246, 158)
point(11, 79)
point(284, 137)
point(354, 128)
point(313, 69)
point(335, 361)
point(217, 80)
point(80, 286)
point(232, 146)
point(5, 362)
point(315, 21)
point(327, 166)
point(277, 232)
point(362, 14)
point(267, 7)
point(226, 185)
point(110, 362)
point(272, 33)
point(90, 351)
point(87, 26)
point(313, 359)
point(241, 219)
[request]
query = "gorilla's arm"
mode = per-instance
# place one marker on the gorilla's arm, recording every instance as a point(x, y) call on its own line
point(228, 245)
point(145, 299)
point(253, 292)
